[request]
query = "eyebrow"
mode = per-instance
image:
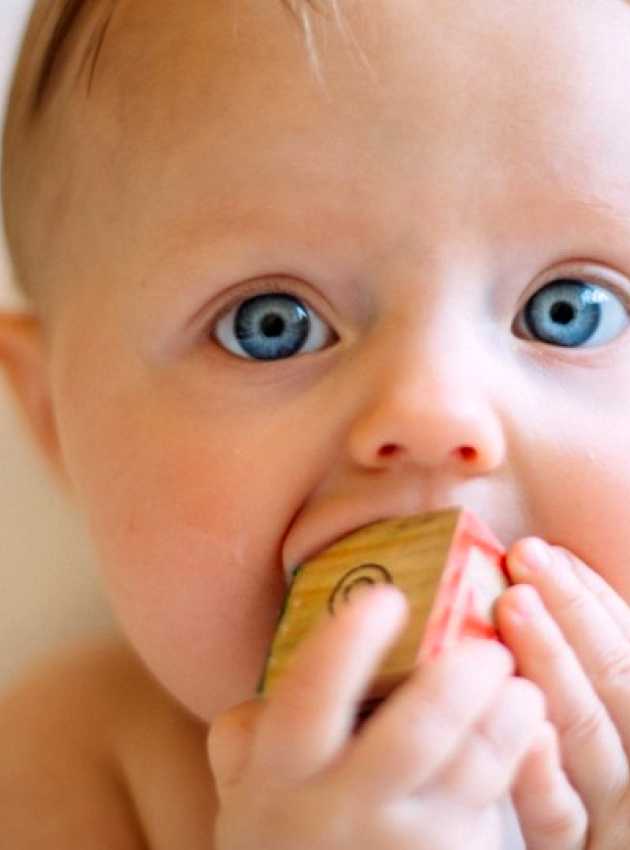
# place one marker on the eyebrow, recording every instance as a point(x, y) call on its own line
point(66, 24)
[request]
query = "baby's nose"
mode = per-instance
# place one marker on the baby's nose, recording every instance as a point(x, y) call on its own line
point(429, 424)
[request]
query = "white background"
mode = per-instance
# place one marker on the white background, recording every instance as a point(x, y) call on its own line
point(49, 592)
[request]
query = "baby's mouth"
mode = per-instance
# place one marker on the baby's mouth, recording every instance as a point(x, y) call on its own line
point(335, 536)
point(305, 549)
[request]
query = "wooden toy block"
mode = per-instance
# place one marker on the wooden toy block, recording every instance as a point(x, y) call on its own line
point(447, 563)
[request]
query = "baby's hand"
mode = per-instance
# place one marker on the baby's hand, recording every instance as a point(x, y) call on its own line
point(427, 771)
point(570, 634)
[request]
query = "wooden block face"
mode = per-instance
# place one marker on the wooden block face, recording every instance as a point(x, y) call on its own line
point(427, 558)
point(473, 580)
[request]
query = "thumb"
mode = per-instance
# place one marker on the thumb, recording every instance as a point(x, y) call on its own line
point(230, 741)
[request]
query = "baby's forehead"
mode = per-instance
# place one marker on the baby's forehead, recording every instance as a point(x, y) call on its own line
point(62, 28)
point(150, 72)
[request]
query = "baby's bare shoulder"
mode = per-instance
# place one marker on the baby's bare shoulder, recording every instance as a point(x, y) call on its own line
point(96, 755)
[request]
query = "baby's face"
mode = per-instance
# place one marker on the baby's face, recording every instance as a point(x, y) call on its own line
point(294, 308)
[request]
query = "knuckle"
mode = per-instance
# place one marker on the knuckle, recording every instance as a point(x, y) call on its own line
point(568, 827)
point(614, 668)
point(426, 728)
point(517, 716)
point(573, 603)
point(428, 722)
point(582, 725)
point(492, 742)
point(432, 711)
point(482, 772)
point(491, 757)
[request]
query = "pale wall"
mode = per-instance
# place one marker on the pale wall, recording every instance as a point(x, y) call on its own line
point(48, 590)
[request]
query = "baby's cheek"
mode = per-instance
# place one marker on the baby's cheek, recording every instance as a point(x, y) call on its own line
point(193, 572)
point(199, 611)
point(578, 492)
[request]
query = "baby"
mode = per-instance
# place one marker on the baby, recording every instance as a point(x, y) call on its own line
point(296, 266)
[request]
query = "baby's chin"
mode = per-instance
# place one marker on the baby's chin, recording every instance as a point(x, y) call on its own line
point(200, 695)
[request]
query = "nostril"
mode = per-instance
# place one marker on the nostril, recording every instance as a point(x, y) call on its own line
point(467, 453)
point(388, 450)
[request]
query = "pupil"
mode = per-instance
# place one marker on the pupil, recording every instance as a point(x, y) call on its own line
point(273, 325)
point(563, 313)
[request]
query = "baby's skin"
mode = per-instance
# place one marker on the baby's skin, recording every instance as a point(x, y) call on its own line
point(276, 298)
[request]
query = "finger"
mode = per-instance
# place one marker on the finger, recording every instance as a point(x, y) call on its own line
point(550, 812)
point(617, 607)
point(422, 724)
point(230, 740)
point(592, 751)
point(594, 634)
point(483, 769)
point(312, 710)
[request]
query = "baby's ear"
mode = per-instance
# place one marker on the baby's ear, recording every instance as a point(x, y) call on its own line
point(23, 360)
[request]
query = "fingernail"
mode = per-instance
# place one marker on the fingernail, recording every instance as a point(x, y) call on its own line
point(532, 556)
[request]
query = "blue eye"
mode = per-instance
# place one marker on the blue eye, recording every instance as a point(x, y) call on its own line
point(575, 314)
point(273, 326)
